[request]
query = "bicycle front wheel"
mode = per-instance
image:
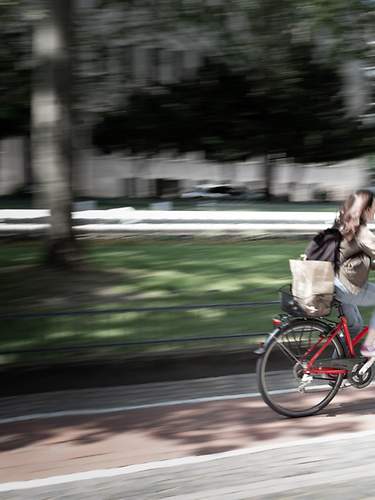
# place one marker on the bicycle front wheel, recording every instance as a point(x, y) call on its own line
point(280, 370)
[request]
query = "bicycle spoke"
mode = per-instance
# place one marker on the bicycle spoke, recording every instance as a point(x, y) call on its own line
point(284, 384)
point(288, 352)
point(288, 341)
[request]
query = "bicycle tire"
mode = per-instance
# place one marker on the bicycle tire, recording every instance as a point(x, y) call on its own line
point(270, 396)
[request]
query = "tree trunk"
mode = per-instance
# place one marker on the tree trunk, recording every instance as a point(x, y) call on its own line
point(268, 176)
point(26, 161)
point(52, 126)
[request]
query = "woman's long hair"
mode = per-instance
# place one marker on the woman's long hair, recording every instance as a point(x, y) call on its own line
point(351, 215)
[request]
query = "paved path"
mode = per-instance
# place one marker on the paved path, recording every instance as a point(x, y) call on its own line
point(343, 470)
point(245, 450)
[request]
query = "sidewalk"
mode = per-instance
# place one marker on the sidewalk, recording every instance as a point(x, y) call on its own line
point(127, 219)
point(206, 439)
point(302, 473)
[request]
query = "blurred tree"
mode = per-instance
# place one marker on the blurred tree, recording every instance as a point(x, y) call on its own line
point(36, 99)
point(320, 127)
point(52, 123)
point(271, 56)
point(15, 73)
point(15, 68)
point(228, 114)
point(259, 45)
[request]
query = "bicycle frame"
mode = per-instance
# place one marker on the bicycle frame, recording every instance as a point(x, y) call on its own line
point(342, 326)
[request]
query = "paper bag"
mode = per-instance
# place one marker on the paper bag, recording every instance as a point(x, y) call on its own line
point(313, 286)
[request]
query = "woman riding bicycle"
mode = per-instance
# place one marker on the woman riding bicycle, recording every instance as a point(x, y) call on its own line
point(356, 258)
point(305, 359)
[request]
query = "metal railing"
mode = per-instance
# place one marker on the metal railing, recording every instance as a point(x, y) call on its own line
point(9, 316)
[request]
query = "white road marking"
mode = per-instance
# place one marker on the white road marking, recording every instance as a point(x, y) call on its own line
point(175, 462)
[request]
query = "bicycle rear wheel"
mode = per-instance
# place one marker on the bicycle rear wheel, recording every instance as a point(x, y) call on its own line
point(281, 368)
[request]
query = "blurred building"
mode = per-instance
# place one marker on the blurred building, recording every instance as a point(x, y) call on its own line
point(166, 176)
point(160, 56)
point(163, 176)
point(123, 49)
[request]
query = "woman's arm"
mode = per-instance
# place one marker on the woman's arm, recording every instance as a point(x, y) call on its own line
point(366, 241)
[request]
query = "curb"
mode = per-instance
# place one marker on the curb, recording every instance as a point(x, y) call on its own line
point(136, 370)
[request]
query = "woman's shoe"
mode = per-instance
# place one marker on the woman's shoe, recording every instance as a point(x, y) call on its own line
point(368, 351)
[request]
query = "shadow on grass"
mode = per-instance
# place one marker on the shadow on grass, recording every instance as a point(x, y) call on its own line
point(38, 288)
point(140, 274)
point(170, 326)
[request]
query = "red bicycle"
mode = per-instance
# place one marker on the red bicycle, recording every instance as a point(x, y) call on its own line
point(305, 360)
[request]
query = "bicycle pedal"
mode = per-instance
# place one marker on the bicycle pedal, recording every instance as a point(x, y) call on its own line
point(345, 384)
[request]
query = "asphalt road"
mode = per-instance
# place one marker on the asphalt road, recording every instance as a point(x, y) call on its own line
point(195, 439)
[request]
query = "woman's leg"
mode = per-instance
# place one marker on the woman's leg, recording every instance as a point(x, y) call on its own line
point(350, 303)
point(370, 337)
point(354, 318)
point(366, 297)
point(350, 309)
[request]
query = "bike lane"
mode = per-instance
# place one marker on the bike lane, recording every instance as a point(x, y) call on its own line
point(68, 444)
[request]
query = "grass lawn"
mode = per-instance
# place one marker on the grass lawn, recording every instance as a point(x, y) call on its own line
point(135, 274)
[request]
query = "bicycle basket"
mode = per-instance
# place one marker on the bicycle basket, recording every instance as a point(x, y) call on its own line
point(315, 306)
